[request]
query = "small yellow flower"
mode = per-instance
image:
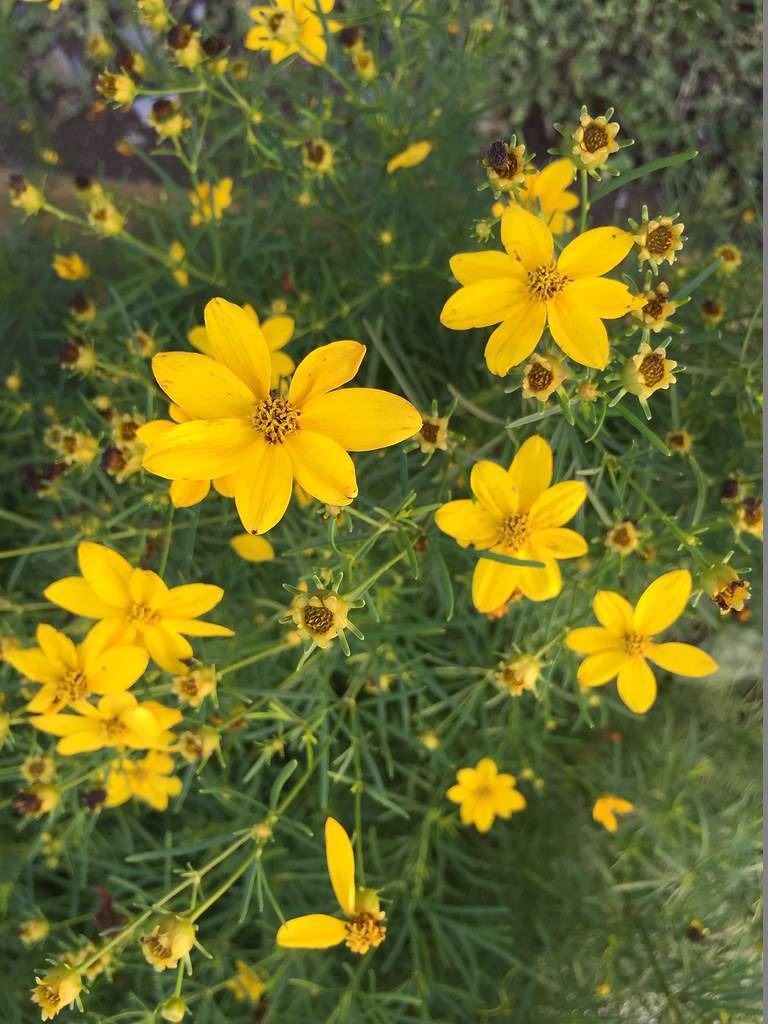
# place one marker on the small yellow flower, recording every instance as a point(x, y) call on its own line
point(506, 166)
point(363, 929)
point(74, 447)
point(252, 549)
point(317, 156)
point(78, 357)
point(97, 47)
point(121, 89)
point(626, 638)
point(679, 441)
point(50, 156)
point(57, 989)
point(749, 516)
point(659, 240)
point(623, 537)
point(542, 377)
point(177, 254)
point(184, 43)
point(524, 289)
point(292, 26)
point(38, 768)
point(413, 155)
point(433, 434)
point(136, 605)
point(210, 202)
point(320, 616)
point(14, 382)
point(148, 779)
point(145, 343)
point(105, 218)
point(655, 314)
point(429, 740)
point(648, 371)
point(37, 800)
point(595, 140)
point(25, 196)
point(484, 795)
point(168, 119)
point(518, 514)
point(246, 984)
point(82, 308)
point(730, 258)
point(197, 684)
point(603, 990)
point(712, 311)
point(33, 930)
point(607, 807)
point(518, 675)
point(365, 65)
point(199, 744)
point(169, 941)
point(154, 13)
point(727, 590)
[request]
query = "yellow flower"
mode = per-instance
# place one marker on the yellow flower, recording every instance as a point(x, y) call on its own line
point(659, 240)
point(546, 193)
point(518, 514)
point(33, 931)
point(655, 314)
point(119, 88)
point(177, 253)
point(184, 43)
point(433, 434)
point(25, 196)
point(607, 807)
point(679, 441)
point(118, 720)
point(595, 140)
point(723, 585)
point(57, 989)
point(320, 616)
point(154, 13)
point(194, 686)
point(363, 929)
point(252, 549)
point(96, 46)
point(365, 65)
point(105, 218)
point(68, 673)
point(168, 119)
point(524, 289)
point(505, 166)
point(484, 795)
point(238, 426)
point(82, 308)
point(199, 744)
point(246, 984)
point(749, 517)
point(210, 202)
point(712, 311)
point(50, 156)
point(136, 606)
point(317, 156)
point(518, 675)
point(648, 371)
point(625, 639)
point(169, 941)
point(292, 26)
point(411, 156)
point(37, 800)
point(623, 537)
point(730, 258)
point(148, 779)
point(277, 331)
point(72, 267)
point(40, 768)
point(542, 377)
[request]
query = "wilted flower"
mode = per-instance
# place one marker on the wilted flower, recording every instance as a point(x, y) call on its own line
point(25, 196)
point(518, 675)
point(655, 314)
point(648, 371)
point(33, 930)
point(542, 377)
point(169, 941)
point(57, 989)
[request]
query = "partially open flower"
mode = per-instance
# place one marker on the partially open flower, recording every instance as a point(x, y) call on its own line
point(169, 941)
point(25, 196)
point(184, 42)
point(82, 308)
point(365, 65)
point(194, 686)
point(57, 989)
point(168, 119)
point(34, 930)
point(199, 744)
point(36, 801)
point(595, 140)
point(659, 241)
point(648, 371)
point(320, 616)
point(131, 62)
point(727, 590)
point(38, 768)
point(543, 376)
point(655, 314)
point(105, 218)
point(70, 266)
point(518, 675)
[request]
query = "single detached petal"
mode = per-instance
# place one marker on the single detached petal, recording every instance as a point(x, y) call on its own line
point(201, 450)
point(590, 640)
point(531, 471)
point(263, 487)
point(526, 237)
point(682, 659)
point(322, 467)
point(516, 336)
point(557, 505)
point(469, 267)
point(483, 303)
point(186, 493)
point(594, 252)
point(663, 602)
point(313, 931)
point(559, 542)
point(361, 419)
point(252, 549)
point(324, 369)
point(540, 584)
point(106, 571)
point(190, 600)
point(637, 685)
point(237, 341)
point(493, 583)
point(613, 612)
point(579, 332)
point(204, 388)
point(76, 595)
point(340, 858)
point(468, 523)
point(600, 667)
point(606, 298)
point(494, 489)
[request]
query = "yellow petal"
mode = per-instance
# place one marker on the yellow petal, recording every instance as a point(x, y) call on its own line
point(469, 267)
point(594, 252)
point(313, 931)
point(34, 665)
point(340, 858)
point(236, 340)
point(252, 549)
point(494, 489)
point(106, 571)
point(190, 600)
point(198, 338)
point(282, 366)
point(560, 543)
point(540, 584)
point(201, 450)
point(493, 583)
point(148, 432)
point(637, 685)
point(663, 602)
point(57, 647)
point(146, 587)
point(322, 467)
point(516, 336)
point(225, 485)
point(263, 487)
point(361, 419)
point(557, 504)
point(168, 649)
point(526, 237)
point(553, 178)
point(202, 387)
point(60, 725)
point(483, 303)
point(325, 368)
point(468, 523)
point(277, 331)
point(116, 669)
point(78, 596)
point(186, 493)
point(411, 156)
point(601, 666)
point(682, 659)
point(197, 627)
point(82, 742)
point(606, 298)
point(613, 612)
point(531, 471)
point(578, 331)
point(590, 640)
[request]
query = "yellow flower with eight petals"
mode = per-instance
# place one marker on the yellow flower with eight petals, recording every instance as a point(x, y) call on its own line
point(625, 639)
point(484, 794)
point(518, 514)
point(607, 807)
point(524, 289)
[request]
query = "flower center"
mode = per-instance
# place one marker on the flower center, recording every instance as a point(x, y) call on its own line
point(595, 137)
point(654, 308)
point(71, 686)
point(514, 531)
point(365, 932)
point(544, 282)
point(49, 997)
point(283, 26)
point(315, 152)
point(727, 254)
point(484, 792)
point(652, 369)
point(275, 418)
point(621, 537)
point(634, 643)
point(539, 377)
point(712, 307)
point(429, 431)
point(157, 948)
point(659, 240)
point(753, 511)
point(115, 728)
point(503, 160)
point(318, 618)
point(143, 615)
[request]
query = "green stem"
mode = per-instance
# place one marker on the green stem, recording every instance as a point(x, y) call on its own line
point(253, 658)
point(584, 201)
point(373, 577)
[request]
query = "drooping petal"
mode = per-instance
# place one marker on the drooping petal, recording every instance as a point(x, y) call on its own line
point(557, 505)
point(663, 602)
point(493, 583)
point(531, 471)
point(340, 858)
point(263, 487)
point(237, 342)
point(682, 659)
point(579, 332)
point(516, 336)
point(483, 303)
point(469, 267)
point(322, 467)
point(613, 612)
point(253, 549)
point(190, 600)
point(324, 369)
point(560, 543)
point(600, 667)
point(167, 649)
point(201, 449)
point(468, 523)
point(277, 331)
point(186, 493)
point(204, 388)
point(590, 640)
point(494, 489)
point(313, 931)
point(361, 419)
point(116, 669)
point(595, 252)
point(526, 237)
point(540, 584)
point(637, 685)
point(76, 595)
point(606, 298)
point(106, 570)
